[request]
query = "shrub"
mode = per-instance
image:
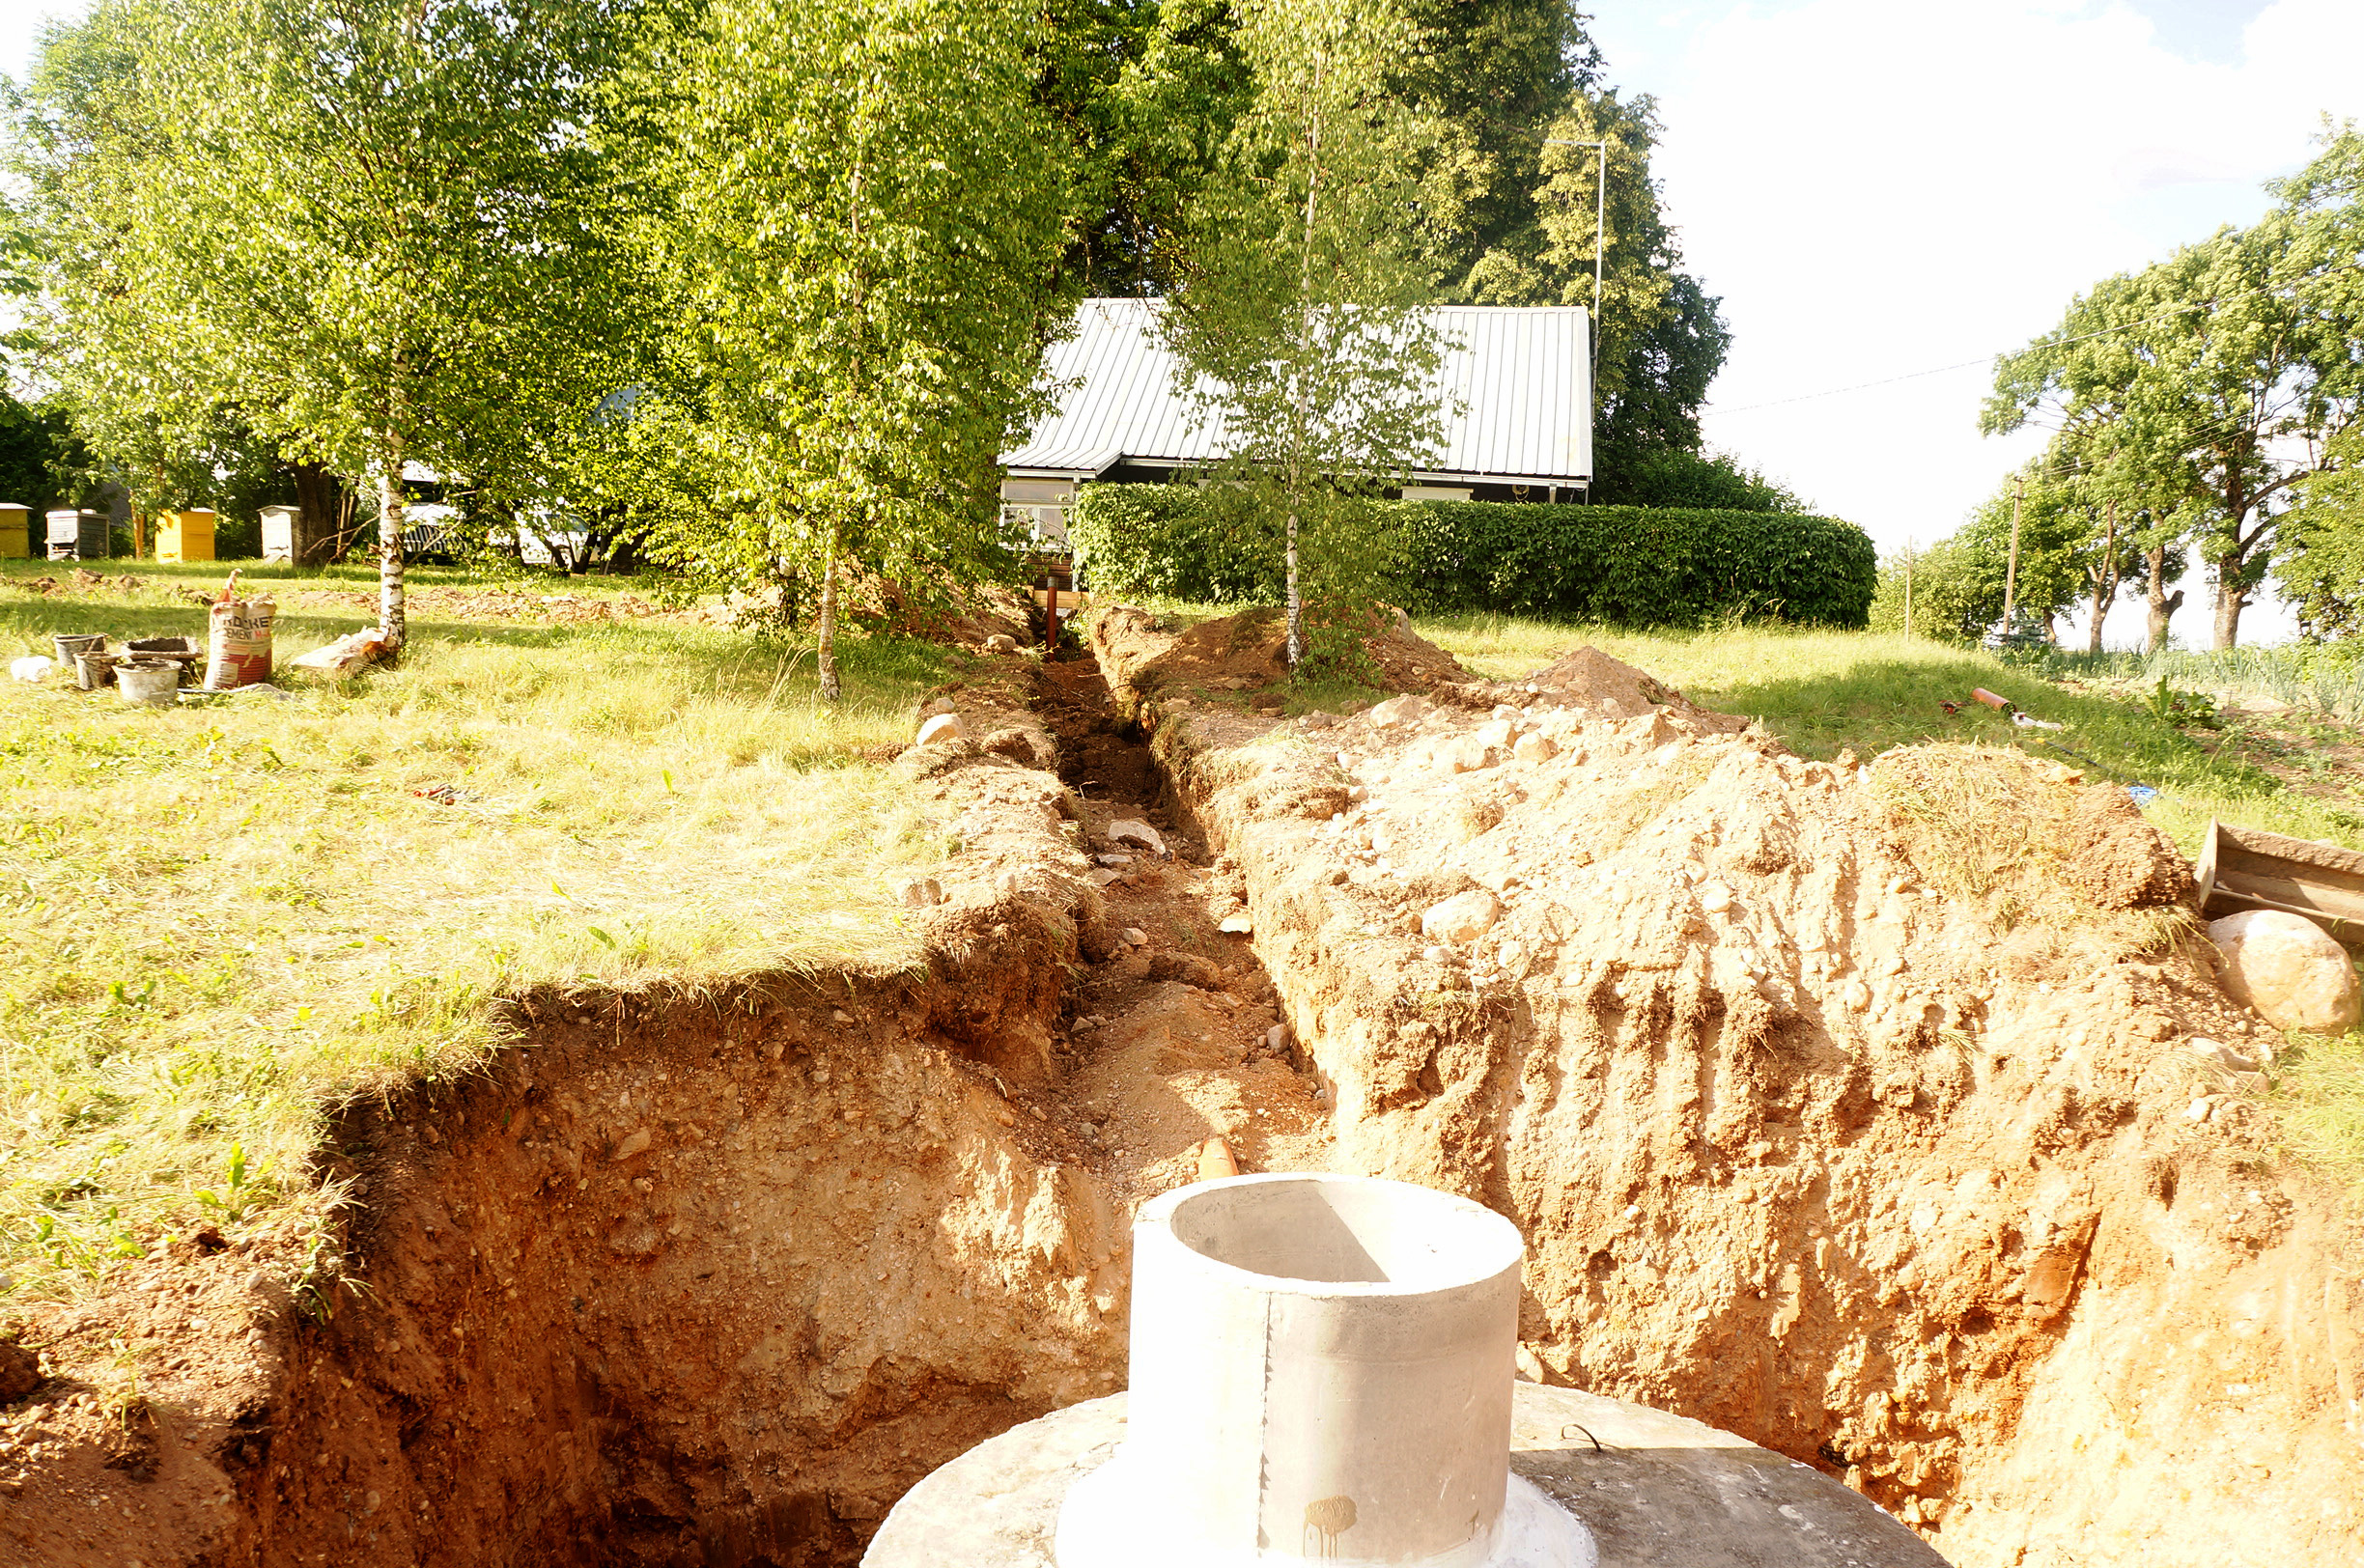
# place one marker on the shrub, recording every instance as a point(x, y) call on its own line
point(1669, 476)
point(1209, 546)
point(1627, 566)
point(1638, 566)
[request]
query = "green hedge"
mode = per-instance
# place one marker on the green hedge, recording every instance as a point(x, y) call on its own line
point(1626, 565)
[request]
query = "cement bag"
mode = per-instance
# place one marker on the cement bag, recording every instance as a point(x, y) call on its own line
point(239, 643)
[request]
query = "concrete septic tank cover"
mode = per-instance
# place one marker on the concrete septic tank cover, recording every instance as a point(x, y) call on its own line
point(1321, 1369)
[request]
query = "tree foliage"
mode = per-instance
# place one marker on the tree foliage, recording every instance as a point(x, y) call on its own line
point(1296, 326)
point(870, 217)
point(2206, 386)
point(377, 229)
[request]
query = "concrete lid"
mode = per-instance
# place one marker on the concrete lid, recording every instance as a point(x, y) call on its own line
point(1656, 1491)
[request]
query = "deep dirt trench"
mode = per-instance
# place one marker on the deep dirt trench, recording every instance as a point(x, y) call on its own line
point(712, 1279)
point(1801, 1148)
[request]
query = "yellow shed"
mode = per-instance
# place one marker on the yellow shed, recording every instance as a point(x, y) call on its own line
point(186, 535)
point(16, 543)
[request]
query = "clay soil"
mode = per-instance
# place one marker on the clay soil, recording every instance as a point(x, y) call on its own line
point(1884, 1142)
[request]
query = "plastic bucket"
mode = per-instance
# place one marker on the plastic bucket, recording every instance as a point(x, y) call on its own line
point(159, 685)
point(93, 670)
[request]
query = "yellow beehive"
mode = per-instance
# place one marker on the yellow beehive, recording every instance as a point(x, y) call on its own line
point(14, 543)
point(186, 535)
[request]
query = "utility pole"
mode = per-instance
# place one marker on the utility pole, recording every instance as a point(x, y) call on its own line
point(2010, 574)
point(1600, 250)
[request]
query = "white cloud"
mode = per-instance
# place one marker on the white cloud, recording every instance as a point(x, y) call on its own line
point(1879, 189)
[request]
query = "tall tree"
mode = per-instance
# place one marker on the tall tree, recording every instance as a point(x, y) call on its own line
point(381, 223)
point(2219, 378)
point(871, 218)
point(1296, 324)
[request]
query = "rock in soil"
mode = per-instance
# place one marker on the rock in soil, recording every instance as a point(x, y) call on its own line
point(2289, 969)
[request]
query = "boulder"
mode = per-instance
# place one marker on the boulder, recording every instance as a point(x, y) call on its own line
point(2289, 969)
point(1000, 642)
point(1407, 709)
point(1462, 918)
point(1535, 747)
point(941, 727)
point(1135, 831)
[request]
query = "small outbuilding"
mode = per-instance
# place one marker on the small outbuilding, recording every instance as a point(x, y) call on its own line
point(1516, 383)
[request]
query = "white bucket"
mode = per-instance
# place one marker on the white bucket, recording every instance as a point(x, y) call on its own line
point(159, 685)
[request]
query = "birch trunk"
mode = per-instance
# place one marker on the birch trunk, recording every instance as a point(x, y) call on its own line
point(390, 617)
point(826, 633)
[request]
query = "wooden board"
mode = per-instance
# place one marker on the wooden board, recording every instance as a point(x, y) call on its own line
point(2245, 868)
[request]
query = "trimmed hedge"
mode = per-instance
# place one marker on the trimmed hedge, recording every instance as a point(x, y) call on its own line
point(1626, 566)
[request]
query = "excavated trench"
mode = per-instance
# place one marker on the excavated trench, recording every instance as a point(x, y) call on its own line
point(712, 1280)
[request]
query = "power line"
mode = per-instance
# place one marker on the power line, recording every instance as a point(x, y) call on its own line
point(2050, 343)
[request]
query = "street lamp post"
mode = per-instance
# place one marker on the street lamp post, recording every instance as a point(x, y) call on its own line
point(1600, 252)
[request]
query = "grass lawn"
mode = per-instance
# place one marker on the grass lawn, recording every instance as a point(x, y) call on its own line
point(1825, 691)
point(222, 917)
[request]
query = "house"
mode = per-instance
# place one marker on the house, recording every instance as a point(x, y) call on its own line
point(1518, 427)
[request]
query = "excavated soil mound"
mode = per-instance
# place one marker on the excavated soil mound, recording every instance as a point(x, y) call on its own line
point(1250, 651)
point(1843, 1108)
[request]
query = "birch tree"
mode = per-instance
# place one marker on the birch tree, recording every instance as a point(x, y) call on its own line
point(872, 211)
point(1297, 328)
point(381, 223)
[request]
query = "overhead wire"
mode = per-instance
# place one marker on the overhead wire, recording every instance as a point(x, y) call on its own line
point(1988, 359)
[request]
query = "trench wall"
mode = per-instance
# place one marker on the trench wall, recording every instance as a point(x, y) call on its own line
point(1958, 1241)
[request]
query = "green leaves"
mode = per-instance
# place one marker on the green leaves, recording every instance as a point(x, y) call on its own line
point(2203, 388)
point(869, 214)
point(375, 228)
point(1296, 325)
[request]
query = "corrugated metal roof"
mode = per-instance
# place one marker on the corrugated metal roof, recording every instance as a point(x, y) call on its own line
point(1521, 378)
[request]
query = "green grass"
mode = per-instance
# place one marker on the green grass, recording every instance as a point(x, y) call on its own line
point(2319, 1096)
point(221, 918)
point(1827, 691)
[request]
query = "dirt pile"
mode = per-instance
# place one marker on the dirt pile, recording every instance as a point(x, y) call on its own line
point(1898, 1149)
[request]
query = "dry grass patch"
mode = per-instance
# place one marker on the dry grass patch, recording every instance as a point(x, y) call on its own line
point(224, 917)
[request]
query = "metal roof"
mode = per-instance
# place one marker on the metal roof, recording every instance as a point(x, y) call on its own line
point(1521, 378)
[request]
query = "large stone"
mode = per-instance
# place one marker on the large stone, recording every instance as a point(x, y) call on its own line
point(941, 727)
point(1139, 833)
point(2289, 969)
point(1462, 918)
point(1407, 709)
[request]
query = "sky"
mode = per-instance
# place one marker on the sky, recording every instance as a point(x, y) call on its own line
point(1879, 189)
point(1888, 194)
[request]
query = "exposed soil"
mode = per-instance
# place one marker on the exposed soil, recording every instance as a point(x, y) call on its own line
point(708, 1280)
point(1886, 1132)
point(1885, 1144)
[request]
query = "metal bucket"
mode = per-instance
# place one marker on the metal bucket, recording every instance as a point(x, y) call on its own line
point(93, 670)
point(156, 684)
point(70, 643)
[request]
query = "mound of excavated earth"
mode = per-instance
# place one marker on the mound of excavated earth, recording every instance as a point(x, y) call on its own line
point(1891, 1117)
